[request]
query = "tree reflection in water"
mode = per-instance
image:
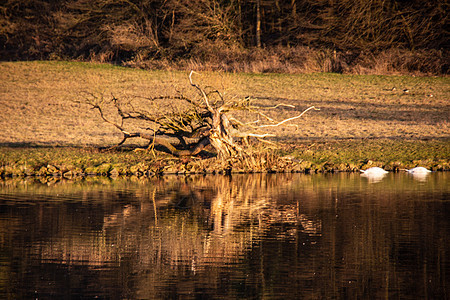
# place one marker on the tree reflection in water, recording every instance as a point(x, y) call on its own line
point(284, 235)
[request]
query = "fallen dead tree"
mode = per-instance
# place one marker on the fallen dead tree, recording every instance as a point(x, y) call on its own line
point(185, 129)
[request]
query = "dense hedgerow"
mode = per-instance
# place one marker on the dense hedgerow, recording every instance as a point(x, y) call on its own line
point(352, 36)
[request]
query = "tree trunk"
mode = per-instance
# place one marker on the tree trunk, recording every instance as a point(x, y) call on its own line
point(221, 139)
point(258, 23)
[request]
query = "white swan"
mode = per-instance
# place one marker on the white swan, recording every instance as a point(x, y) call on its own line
point(419, 173)
point(418, 170)
point(374, 174)
point(374, 171)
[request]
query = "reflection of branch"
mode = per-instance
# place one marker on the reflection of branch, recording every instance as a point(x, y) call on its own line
point(154, 207)
point(237, 214)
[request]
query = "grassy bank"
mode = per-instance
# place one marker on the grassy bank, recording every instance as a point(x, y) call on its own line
point(389, 121)
point(314, 157)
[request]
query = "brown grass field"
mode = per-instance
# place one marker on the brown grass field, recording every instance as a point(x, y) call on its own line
point(41, 104)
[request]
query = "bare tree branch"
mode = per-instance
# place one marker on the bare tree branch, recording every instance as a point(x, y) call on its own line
point(289, 119)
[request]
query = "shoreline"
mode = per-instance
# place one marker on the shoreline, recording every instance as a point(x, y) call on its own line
point(324, 157)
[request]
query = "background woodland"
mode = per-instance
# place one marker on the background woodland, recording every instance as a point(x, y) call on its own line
point(346, 36)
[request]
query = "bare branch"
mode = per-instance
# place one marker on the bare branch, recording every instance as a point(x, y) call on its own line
point(205, 97)
point(289, 119)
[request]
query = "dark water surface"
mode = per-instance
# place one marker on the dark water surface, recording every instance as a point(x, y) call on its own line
point(283, 236)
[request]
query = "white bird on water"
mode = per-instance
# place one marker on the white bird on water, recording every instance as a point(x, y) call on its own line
point(374, 171)
point(419, 173)
point(374, 174)
point(418, 170)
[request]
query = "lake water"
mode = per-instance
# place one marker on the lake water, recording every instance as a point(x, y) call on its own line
point(280, 236)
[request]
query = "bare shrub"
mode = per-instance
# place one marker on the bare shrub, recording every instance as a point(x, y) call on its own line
point(101, 57)
point(132, 37)
point(401, 61)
